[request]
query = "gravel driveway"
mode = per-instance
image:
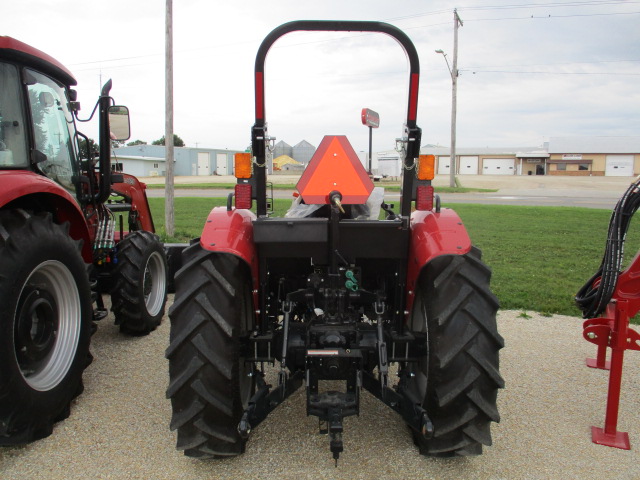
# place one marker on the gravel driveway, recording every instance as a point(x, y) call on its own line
point(118, 429)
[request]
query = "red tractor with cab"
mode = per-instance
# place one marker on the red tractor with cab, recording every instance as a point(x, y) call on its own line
point(335, 298)
point(63, 241)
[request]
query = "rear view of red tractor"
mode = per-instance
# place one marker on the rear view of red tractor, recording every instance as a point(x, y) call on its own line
point(63, 242)
point(334, 296)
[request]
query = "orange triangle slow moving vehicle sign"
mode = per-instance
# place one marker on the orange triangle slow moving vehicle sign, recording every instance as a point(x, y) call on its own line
point(335, 166)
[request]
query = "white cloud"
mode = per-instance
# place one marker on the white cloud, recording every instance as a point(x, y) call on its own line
point(318, 87)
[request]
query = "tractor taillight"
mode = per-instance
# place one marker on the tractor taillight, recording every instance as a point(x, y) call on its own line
point(426, 167)
point(243, 196)
point(424, 197)
point(242, 163)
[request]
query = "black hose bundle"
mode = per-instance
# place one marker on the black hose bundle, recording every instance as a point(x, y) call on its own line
point(594, 296)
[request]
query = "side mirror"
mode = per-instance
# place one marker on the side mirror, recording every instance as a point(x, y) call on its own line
point(119, 127)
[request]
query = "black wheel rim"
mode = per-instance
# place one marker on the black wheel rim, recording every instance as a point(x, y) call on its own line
point(36, 329)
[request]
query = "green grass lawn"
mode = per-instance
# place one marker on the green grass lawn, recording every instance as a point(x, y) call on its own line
point(540, 256)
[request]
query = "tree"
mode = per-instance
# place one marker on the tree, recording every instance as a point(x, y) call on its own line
point(84, 152)
point(177, 141)
point(140, 142)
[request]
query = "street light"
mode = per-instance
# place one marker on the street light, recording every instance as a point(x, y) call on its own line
point(453, 71)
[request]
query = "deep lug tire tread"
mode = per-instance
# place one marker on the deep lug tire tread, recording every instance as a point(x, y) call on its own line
point(463, 363)
point(27, 415)
point(209, 315)
point(127, 298)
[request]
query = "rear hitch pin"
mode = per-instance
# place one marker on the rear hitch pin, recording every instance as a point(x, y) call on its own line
point(335, 437)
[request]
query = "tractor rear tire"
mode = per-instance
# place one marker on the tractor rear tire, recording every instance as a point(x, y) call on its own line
point(45, 325)
point(139, 293)
point(459, 377)
point(209, 382)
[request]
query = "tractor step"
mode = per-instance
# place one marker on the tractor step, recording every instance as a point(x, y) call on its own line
point(261, 349)
point(406, 346)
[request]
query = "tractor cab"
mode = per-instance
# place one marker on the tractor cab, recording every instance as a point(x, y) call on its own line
point(47, 120)
point(38, 113)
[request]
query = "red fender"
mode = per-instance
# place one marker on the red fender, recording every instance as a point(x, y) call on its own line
point(433, 234)
point(24, 189)
point(231, 231)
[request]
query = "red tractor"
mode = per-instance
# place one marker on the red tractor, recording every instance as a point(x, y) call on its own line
point(63, 242)
point(332, 295)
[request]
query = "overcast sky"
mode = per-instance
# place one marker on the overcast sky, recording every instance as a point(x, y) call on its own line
point(529, 71)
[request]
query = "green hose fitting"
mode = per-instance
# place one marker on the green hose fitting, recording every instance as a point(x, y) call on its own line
point(351, 283)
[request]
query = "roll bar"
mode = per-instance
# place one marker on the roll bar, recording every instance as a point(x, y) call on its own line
point(339, 26)
point(259, 131)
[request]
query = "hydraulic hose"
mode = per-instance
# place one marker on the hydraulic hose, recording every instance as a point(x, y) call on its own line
point(594, 296)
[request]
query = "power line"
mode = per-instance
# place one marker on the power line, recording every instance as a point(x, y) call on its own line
point(416, 15)
point(551, 73)
point(116, 59)
point(519, 6)
point(553, 16)
point(552, 64)
point(113, 67)
point(551, 5)
point(400, 18)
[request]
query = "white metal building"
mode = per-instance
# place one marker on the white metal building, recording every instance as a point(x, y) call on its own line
point(609, 156)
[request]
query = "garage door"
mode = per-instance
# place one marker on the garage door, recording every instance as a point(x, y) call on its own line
point(203, 163)
point(619, 166)
point(498, 166)
point(444, 164)
point(221, 163)
point(468, 165)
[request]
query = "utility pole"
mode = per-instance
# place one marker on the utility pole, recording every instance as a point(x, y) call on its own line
point(169, 221)
point(454, 98)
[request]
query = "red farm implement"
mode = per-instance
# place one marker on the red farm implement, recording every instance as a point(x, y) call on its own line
point(608, 300)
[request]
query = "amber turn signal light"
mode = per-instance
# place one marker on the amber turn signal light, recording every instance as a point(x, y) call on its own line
point(426, 167)
point(243, 163)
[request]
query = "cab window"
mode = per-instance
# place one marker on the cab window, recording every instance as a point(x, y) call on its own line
point(53, 128)
point(13, 140)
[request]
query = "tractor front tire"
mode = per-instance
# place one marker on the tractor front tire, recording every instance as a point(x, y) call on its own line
point(45, 325)
point(139, 293)
point(459, 377)
point(209, 382)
